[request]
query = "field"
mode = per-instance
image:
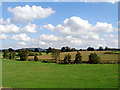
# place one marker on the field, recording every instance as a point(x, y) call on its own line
point(85, 55)
point(25, 74)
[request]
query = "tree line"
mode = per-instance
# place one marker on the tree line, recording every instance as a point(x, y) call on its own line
point(55, 54)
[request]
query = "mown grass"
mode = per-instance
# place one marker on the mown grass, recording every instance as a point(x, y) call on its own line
point(24, 74)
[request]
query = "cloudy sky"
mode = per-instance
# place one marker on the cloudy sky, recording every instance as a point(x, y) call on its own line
point(57, 24)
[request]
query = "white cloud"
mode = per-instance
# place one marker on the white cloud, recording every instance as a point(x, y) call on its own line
point(109, 35)
point(77, 26)
point(48, 37)
point(28, 14)
point(79, 33)
point(22, 43)
point(21, 37)
point(42, 43)
point(48, 26)
point(11, 28)
point(5, 22)
point(30, 28)
point(3, 36)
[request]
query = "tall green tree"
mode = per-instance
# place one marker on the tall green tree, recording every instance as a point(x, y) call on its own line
point(6, 54)
point(78, 58)
point(94, 58)
point(12, 55)
point(55, 54)
point(67, 59)
point(35, 58)
point(23, 55)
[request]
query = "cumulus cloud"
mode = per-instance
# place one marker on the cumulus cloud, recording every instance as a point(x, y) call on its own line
point(10, 28)
point(5, 22)
point(21, 37)
point(79, 33)
point(3, 36)
point(48, 37)
point(22, 43)
point(28, 14)
point(30, 28)
point(77, 26)
point(48, 26)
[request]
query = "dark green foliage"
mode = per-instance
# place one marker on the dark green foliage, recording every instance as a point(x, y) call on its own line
point(65, 49)
point(67, 59)
point(6, 54)
point(48, 50)
point(31, 54)
point(55, 54)
point(100, 48)
point(35, 58)
point(12, 55)
point(73, 49)
point(36, 50)
point(78, 58)
point(40, 53)
point(93, 58)
point(90, 49)
point(23, 55)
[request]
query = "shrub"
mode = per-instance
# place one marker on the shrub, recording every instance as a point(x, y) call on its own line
point(23, 55)
point(67, 59)
point(93, 58)
point(55, 54)
point(12, 55)
point(78, 58)
point(6, 54)
point(35, 58)
point(31, 54)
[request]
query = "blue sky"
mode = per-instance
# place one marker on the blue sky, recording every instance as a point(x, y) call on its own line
point(76, 13)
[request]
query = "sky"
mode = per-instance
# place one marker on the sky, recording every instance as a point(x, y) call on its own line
point(57, 24)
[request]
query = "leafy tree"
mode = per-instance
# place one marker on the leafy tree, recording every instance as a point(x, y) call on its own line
point(106, 48)
point(55, 54)
point(48, 50)
point(23, 55)
point(78, 58)
point(6, 54)
point(12, 55)
point(35, 58)
point(90, 49)
point(36, 50)
point(73, 49)
point(67, 59)
point(63, 49)
point(101, 48)
point(40, 53)
point(93, 58)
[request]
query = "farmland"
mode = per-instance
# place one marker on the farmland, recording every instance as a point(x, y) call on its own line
point(24, 74)
point(85, 55)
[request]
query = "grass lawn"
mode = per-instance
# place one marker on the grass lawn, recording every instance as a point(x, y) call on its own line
point(24, 74)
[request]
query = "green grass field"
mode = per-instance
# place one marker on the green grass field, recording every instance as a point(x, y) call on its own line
point(24, 74)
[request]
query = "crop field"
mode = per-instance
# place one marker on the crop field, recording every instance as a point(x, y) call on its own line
point(25, 74)
point(85, 55)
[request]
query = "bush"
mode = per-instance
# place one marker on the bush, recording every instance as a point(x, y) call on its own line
point(23, 55)
point(93, 58)
point(67, 59)
point(31, 54)
point(6, 54)
point(78, 58)
point(35, 58)
point(12, 55)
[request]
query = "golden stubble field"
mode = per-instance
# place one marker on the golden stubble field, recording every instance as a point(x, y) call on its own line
point(85, 55)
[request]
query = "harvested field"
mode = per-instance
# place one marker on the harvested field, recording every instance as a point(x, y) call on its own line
point(85, 55)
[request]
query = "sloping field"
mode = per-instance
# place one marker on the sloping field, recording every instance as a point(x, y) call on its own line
point(85, 55)
point(24, 74)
